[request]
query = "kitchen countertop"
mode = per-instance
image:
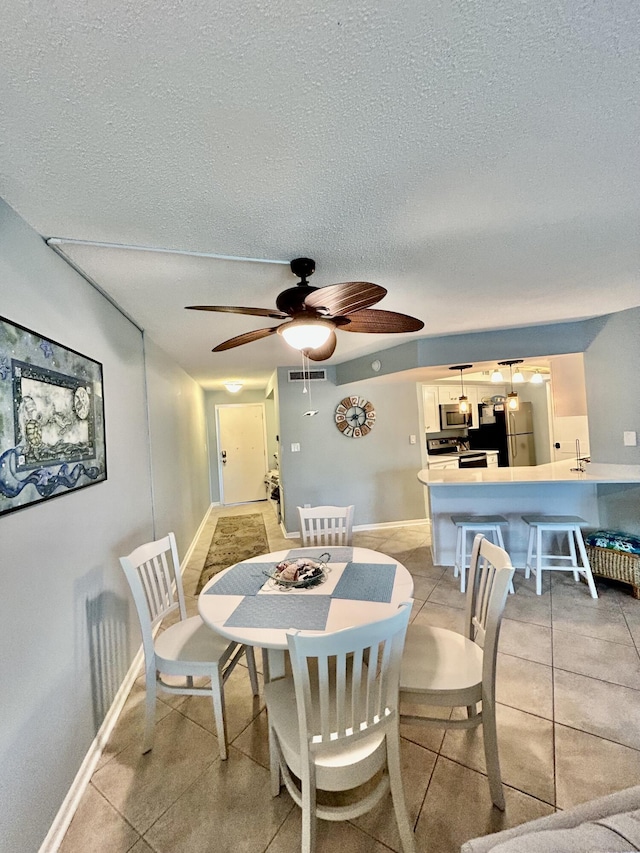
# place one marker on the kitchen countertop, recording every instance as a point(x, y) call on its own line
point(551, 472)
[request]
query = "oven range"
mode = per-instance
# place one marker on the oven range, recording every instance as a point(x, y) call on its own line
point(456, 448)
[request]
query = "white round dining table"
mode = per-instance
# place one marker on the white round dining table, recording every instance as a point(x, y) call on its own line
point(243, 603)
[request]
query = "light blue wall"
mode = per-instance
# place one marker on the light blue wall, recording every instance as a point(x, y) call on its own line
point(68, 629)
point(377, 473)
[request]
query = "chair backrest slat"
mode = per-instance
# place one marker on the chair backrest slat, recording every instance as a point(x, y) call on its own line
point(153, 572)
point(326, 525)
point(358, 671)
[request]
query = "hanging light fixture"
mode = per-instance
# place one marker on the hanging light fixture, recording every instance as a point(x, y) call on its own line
point(306, 334)
point(233, 387)
point(513, 402)
point(496, 376)
point(518, 376)
point(464, 406)
point(537, 378)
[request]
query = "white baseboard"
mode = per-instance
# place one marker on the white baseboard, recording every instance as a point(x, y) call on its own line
point(67, 810)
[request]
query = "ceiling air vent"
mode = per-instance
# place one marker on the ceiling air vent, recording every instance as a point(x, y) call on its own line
point(301, 375)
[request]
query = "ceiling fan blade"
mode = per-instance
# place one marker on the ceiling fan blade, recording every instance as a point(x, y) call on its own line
point(344, 298)
point(247, 338)
point(381, 322)
point(230, 309)
point(325, 351)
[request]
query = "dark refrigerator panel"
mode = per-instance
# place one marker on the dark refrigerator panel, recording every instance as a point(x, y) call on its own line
point(492, 437)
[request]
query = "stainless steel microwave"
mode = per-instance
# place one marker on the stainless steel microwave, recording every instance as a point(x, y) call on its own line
point(451, 418)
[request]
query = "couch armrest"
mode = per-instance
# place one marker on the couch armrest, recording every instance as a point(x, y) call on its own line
point(621, 801)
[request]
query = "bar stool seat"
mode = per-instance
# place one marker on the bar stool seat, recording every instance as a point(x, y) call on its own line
point(539, 561)
point(490, 525)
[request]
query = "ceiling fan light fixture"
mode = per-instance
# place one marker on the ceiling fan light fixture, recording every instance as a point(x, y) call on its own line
point(233, 387)
point(306, 334)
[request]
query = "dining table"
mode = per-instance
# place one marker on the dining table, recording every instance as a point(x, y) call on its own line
point(247, 603)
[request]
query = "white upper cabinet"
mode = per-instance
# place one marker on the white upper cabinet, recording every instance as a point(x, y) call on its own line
point(431, 411)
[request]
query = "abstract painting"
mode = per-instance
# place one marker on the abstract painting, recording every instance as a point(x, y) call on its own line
point(52, 438)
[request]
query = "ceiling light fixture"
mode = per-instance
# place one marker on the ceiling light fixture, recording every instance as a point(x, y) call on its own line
point(518, 376)
point(233, 387)
point(464, 406)
point(306, 334)
point(513, 402)
point(537, 378)
point(496, 376)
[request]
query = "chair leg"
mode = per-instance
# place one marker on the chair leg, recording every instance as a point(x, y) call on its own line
point(587, 565)
point(253, 674)
point(539, 562)
point(492, 759)
point(397, 793)
point(527, 568)
point(456, 565)
point(217, 696)
point(150, 707)
point(309, 819)
point(274, 763)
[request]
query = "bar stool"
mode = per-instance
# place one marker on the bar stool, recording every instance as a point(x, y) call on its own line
point(490, 525)
point(562, 525)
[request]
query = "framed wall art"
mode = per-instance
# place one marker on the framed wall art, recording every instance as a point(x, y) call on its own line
point(52, 436)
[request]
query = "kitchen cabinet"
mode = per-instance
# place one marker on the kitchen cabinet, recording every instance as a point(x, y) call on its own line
point(441, 466)
point(430, 403)
point(448, 393)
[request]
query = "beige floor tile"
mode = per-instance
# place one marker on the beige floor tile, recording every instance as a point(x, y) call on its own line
point(564, 586)
point(423, 587)
point(141, 846)
point(525, 684)
point(603, 624)
point(526, 606)
point(339, 837)
point(97, 826)
point(526, 640)
point(447, 592)
point(441, 616)
point(602, 709)
point(417, 767)
point(589, 767)
point(240, 705)
point(601, 659)
point(228, 809)
point(129, 729)
point(142, 787)
point(526, 751)
point(458, 807)
point(253, 740)
point(425, 735)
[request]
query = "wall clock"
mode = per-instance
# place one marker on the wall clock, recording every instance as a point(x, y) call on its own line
point(355, 417)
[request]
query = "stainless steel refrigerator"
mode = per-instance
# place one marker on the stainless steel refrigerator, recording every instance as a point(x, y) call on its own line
point(511, 434)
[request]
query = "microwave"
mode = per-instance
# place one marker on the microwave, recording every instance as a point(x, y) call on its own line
point(451, 418)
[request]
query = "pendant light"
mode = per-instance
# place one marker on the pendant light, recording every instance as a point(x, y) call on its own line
point(496, 376)
point(464, 406)
point(513, 402)
point(518, 376)
point(537, 379)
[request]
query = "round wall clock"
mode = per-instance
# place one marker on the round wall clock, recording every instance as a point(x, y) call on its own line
point(355, 417)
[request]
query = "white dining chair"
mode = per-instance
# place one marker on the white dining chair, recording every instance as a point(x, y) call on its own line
point(188, 648)
point(326, 525)
point(443, 668)
point(333, 725)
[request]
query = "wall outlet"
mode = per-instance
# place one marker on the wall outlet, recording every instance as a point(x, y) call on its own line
point(412, 439)
point(295, 447)
point(630, 438)
point(307, 506)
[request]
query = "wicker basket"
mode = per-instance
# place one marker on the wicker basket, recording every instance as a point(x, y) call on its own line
point(617, 565)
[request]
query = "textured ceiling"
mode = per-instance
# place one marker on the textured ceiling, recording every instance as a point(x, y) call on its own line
point(480, 160)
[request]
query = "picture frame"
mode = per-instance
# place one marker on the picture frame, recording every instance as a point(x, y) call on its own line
point(52, 430)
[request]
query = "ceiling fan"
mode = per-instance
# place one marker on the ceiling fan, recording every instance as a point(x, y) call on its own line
point(312, 314)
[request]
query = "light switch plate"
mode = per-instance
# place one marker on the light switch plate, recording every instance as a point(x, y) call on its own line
point(412, 439)
point(630, 439)
point(295, 447)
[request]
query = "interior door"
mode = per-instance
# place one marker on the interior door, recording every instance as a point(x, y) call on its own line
point(242, 452)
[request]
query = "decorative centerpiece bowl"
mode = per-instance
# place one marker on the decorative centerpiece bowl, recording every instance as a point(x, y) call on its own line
point(302, 573)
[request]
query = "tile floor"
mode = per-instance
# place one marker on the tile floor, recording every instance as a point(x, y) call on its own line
point(568, 690)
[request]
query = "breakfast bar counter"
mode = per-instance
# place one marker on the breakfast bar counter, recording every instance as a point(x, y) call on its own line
point(551, 489)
